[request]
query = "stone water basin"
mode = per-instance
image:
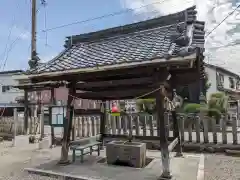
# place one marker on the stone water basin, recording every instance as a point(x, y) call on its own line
point(133, 153)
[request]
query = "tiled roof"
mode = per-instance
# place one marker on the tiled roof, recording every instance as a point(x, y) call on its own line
point(163, 37)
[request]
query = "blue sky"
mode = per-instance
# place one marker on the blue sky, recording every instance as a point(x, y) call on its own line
point(57, 13)
point(222, 46)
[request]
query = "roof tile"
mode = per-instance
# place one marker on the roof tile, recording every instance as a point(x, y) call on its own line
point(147, 40)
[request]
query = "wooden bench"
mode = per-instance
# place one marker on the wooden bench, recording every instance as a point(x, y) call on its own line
point(85, 146)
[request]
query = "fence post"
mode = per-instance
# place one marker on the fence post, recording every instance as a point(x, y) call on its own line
point(145, 126)
point(205, 130)
point(42, 123)
point(151, 125)
point(181, 126)
point(234, 128)
point(15, 118)
point(214, 131)
point(197, 120)
point(224, 132)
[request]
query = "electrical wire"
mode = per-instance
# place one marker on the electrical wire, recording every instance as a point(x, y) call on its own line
point(5, 53)
point(16, 40)
point(131, 10)
point(231, 13)
point(102, 17)
point(206, 36)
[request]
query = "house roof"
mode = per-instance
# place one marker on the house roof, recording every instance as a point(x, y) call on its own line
point(164, 37)
point(222, 69)
point(11, 72)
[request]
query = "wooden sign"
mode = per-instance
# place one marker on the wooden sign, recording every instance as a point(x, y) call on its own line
point(58, 116)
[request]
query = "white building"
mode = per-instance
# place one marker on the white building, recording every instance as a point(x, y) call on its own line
point(222, 80)
point(8, 94)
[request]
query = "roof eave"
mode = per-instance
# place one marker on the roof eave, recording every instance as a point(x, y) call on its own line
point(174, 60)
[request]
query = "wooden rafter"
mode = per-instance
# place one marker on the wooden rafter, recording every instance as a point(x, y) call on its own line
point(116, 73)
point(40, 85)
point(123, 83)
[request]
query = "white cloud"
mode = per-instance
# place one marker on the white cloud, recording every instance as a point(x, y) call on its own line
point(210, 11)
point(21, 33)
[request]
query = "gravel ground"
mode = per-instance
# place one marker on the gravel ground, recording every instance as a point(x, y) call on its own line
point(221, 167)
point(13, 161)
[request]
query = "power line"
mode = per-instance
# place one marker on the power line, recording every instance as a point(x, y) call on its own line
point(231, 13)
point(5, 53)
point(102, 17)
point(45, 21)
point(16, 40)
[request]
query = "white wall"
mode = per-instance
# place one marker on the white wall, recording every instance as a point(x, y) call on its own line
point(212, 79)
point(212, 76)
point(9, 96)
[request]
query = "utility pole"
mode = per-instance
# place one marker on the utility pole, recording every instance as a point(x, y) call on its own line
point(33, 62)
point(33, 42)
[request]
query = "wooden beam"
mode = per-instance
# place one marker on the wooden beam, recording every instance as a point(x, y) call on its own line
point(172, 145)
point(117, 95)
point(111, 84)
point(40, 86)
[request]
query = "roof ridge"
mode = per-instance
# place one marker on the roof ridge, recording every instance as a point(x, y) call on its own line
point(188, 15)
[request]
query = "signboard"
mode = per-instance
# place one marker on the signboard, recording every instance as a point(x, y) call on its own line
point(58, 116)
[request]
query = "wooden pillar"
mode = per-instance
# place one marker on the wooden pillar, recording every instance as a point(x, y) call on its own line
point(176, 123)
point(163, 135)
point(26, 111)
point(53, 101)
point(15, 118)
point(103, 122)
point(68, 124)
point(176, 134)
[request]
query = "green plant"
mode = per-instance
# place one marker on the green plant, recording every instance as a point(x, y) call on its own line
point(191, 108)
point(146, 105)
point(216, 106)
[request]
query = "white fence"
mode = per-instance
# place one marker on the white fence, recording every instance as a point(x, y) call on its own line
point(192, 129)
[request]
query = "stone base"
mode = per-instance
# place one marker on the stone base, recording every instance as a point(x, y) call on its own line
point(20, 141)
point(45, 143)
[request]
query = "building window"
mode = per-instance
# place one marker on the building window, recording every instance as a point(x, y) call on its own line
point(6, 88)
point(220, 79)
point(231, 83)
point(237, 84)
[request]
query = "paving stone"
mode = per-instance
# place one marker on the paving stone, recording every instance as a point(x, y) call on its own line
point(221, 167)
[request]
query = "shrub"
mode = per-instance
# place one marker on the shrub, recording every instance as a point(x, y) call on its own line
point(146, 105)
point(192, 108)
